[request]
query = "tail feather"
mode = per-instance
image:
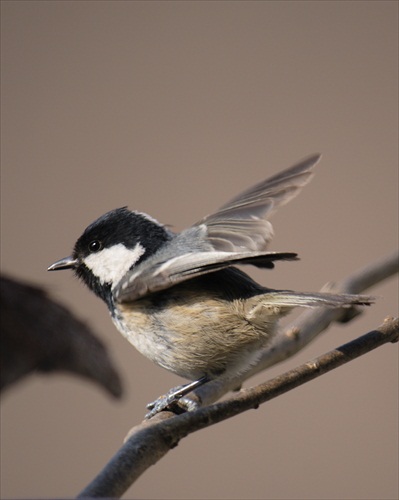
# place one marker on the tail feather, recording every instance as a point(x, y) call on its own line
point(289, 299)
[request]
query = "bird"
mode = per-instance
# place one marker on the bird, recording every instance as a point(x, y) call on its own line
point(179, 298)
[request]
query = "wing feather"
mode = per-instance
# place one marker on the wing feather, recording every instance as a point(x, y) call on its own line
point(238, 233)
point(149, 279)
point(242, 222)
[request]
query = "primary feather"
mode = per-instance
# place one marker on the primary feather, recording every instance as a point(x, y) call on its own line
point(242, 222)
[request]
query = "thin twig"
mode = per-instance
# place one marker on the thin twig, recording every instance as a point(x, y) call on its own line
point(151, 440)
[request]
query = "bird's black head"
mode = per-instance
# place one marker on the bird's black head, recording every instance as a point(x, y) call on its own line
point(112, 245)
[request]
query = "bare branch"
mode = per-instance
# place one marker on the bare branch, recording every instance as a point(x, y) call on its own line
point(151, 440)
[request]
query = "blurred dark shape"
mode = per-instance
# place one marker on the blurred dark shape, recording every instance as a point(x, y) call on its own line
point(39, 334)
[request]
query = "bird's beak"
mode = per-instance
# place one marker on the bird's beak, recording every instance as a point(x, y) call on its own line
point(66, 263)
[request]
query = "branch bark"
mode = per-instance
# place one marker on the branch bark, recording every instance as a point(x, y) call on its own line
point(151, 440)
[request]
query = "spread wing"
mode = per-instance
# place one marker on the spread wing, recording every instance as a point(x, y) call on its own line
point(242, 222)
point(166, 273)
point(238, 233)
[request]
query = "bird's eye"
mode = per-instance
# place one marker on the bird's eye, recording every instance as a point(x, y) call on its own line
point(95, 246)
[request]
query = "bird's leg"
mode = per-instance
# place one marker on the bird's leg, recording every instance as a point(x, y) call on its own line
point(173, 396)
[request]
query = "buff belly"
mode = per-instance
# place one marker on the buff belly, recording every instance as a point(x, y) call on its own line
point(193, 335)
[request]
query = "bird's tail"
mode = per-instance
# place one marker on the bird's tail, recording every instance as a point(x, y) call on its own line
point(290, 299)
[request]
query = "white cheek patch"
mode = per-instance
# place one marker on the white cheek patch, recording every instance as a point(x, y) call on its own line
point(111, 264)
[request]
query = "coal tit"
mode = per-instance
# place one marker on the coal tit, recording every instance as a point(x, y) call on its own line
point(179, 299)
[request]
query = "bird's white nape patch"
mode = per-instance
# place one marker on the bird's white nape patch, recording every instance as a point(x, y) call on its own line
point(111, 264)
point(148, 217)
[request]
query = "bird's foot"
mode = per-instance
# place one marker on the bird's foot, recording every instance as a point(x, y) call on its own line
point(175, 401)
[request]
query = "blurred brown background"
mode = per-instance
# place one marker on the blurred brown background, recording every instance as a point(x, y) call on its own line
point(172, 108)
